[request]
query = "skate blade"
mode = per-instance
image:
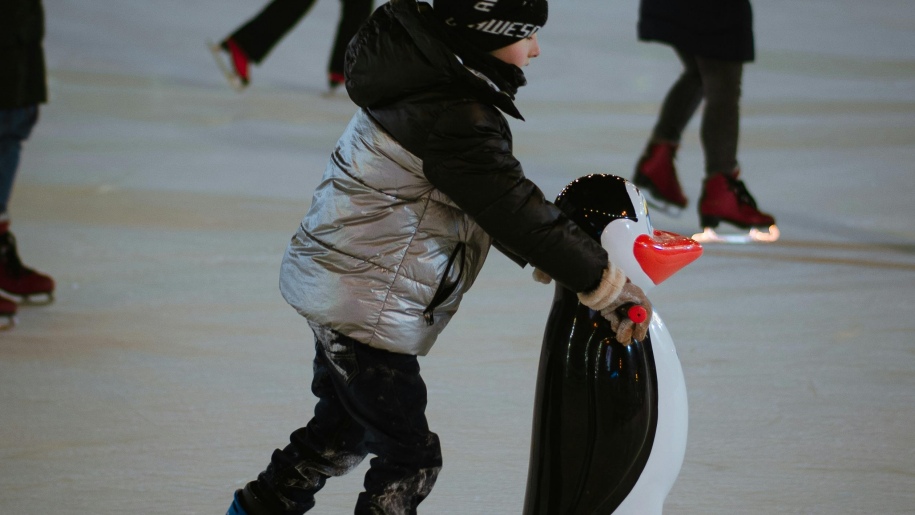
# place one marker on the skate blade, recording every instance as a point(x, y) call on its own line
point(226, 68)
point(708, 235)
point(39, 299)
point(35, 299)
point(7, 322)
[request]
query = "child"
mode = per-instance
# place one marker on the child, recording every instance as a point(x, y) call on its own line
point(422, 181)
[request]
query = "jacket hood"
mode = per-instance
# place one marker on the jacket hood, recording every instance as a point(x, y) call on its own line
point(403, 49)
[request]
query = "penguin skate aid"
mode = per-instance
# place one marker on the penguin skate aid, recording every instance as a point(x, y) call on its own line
point(611, 439)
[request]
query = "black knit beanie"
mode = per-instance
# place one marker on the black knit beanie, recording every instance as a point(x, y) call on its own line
point(492, 24)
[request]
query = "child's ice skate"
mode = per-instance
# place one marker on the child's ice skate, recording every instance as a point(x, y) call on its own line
point(7, 313)
point(19, 281)
point(656, 176)
point(232, 61)
point(335, 80)
point(725, 199)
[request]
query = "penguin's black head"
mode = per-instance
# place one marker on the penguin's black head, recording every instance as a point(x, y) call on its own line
point(593, 201)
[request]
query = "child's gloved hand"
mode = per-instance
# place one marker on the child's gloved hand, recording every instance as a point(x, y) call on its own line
point(617, 314)
point(615, 291)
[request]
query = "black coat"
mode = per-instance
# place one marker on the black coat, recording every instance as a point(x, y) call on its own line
point(402, 68)
point(717, 29)
point(22, 67)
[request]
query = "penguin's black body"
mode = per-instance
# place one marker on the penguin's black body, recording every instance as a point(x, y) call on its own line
point(599, 405)
point(595, 414)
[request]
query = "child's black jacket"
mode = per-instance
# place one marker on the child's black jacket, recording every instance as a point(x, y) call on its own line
point(440, 99)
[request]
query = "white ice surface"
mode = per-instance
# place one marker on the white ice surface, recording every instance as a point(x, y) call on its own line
point(169, 368)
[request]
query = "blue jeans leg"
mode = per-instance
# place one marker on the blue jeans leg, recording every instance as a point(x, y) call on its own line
point(15, 126)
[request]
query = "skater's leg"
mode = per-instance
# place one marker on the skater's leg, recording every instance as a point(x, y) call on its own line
point(720, 128)
point(397, 486)
point(352, 15)
point(656, 172)
point(385, 393)
point(724, 195)
point(15, 278)
point(390, 397)
point(330, 445)
point(260, 34)
point(15, 126)
point(681, 101)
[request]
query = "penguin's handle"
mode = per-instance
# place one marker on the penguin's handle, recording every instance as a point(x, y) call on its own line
point(637, 313)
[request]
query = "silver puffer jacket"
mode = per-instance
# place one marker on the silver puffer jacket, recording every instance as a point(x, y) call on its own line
point(421, 182)
point(382, 256)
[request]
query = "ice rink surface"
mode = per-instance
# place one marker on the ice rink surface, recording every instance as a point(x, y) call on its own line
point(161, 201)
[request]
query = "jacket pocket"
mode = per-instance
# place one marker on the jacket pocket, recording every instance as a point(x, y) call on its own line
point(340, 353)
point(446, 287)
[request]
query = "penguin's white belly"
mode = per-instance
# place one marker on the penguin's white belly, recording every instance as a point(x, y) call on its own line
point(666, 458)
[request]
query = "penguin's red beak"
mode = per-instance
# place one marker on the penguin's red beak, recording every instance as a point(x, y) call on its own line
point(663, 253)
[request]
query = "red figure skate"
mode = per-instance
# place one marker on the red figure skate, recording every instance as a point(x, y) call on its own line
point(335, 80)
point(233, 62)
point(656, 176)
point(19, 281)
point(725, 199)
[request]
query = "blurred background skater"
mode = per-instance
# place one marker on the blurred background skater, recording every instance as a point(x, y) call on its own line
point(251, 42)
point(23, 86)
point(712, 38)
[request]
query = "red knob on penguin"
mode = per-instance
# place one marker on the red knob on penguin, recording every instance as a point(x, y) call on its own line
point(610, 420)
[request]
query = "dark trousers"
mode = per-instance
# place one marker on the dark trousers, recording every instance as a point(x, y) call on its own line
point(369, 401)
point(15, 126)
point(260, 34)
point(718, 83)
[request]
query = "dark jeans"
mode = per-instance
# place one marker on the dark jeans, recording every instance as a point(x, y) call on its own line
point(369, 401)
point(15, 126)
point(718, 83)
point(259, 35)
